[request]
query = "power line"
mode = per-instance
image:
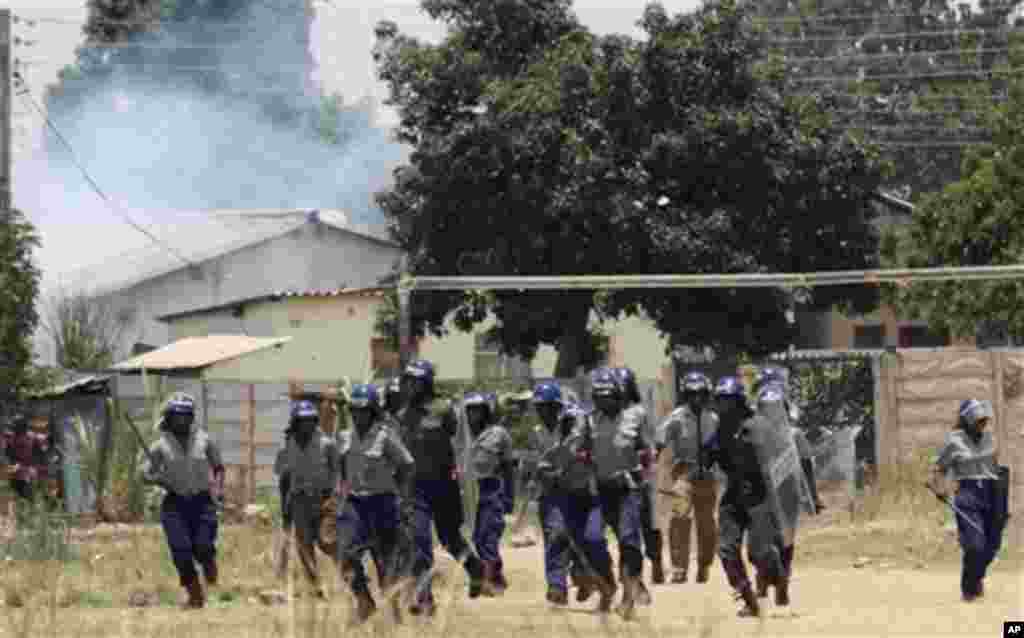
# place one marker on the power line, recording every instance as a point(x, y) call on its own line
point(907, 55)
point(27, 96)
point(902, 35)
point(718, 280)
point(991, 73)
point(854, 17)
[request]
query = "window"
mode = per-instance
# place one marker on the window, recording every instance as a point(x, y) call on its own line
point(921, 337)
point(385, 360)
point(994, 334)
point(489, 363)
point(869, 337)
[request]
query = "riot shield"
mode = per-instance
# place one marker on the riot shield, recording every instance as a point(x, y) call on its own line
point(788, 492)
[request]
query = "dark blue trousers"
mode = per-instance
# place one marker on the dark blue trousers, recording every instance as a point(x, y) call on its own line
point(439, 505)
point(368, 524)
point(573, 528)
point(621, 508)
point(190, 523)
point(977, 500)
point(490, 521)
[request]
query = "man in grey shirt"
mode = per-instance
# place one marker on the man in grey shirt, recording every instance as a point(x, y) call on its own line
point(970, 458)
point(181, 462)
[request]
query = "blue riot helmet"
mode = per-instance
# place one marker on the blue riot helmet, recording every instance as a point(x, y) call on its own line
point(478, 410)
point(364, 404)
point(547, 392)
point(771, 375)
point(418, 379)
point(695, 387)
point(547, 401)
point(731, 396)
point(179, 413)
point(606, 390)
point(974, 415)
point(627, 380)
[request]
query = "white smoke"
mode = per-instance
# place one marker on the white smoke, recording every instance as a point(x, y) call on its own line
point(158, 141)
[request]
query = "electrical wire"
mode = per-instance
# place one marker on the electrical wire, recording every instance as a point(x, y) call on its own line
point(991, 73)
point(27, 96)
point(907, 55)
point(856, 17)
point(902, 35)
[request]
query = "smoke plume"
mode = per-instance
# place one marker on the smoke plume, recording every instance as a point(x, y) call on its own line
point(202, 114)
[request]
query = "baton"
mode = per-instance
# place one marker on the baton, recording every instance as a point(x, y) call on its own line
point(142, 441)
point(956, 510)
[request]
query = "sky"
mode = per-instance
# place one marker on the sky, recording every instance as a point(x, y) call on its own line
point(341, 42)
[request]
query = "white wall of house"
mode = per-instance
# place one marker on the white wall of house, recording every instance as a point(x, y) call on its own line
point(312, 256)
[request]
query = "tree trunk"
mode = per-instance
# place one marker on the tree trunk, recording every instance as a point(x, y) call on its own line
point(572, 342)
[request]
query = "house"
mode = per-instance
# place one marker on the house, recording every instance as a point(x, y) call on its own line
point(333, 336)
point(832, 330)
point(246, 420)
point(236, 255)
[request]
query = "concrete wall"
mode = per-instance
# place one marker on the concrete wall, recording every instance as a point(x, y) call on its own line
point(332, 336)
point(313, 256)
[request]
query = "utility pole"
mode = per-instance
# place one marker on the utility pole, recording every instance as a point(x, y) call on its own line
point(5, 111)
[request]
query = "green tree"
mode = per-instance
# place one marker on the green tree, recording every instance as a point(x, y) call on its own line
point(85, 330)
point(972, 222)
point(19, 289)
point(543, 149)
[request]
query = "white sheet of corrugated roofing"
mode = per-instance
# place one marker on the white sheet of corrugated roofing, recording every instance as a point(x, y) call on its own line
point(194, 353)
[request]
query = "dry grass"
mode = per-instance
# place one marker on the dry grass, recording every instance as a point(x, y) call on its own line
point(896, 521)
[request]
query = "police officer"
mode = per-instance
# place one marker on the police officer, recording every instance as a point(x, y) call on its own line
point(653, 542)
point(377, 472)
point(428, 426)
point(570, 511)
point(779, 415)
point(743, 509)
point(283, 488)
point(491, 459)
point(970, 458)
point(181, 461)
point(620, 454)
point(312, 462)
point(680, 436)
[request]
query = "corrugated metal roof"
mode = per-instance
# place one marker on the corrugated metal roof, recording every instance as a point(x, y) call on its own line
point(201, 236)
point(277, 296)
point(91, 383)
point(335, 292)
point(194, 353)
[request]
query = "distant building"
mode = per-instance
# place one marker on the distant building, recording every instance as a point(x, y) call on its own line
point(239, 255)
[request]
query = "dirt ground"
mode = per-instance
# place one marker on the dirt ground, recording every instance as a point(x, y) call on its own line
point(872, 578)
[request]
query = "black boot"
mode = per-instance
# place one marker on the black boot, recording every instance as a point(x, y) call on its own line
point(751, 609)
point(657, 573)
point(210, 571)
point(627, 608)
point(782, 591)
point(196, 597)
point(475, 569)
point(762, 585)
point(557, 596)
point(365, 606)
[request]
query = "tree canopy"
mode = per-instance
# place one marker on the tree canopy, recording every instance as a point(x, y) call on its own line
point(541, 148)
point(19, 288)
point(972, 222)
